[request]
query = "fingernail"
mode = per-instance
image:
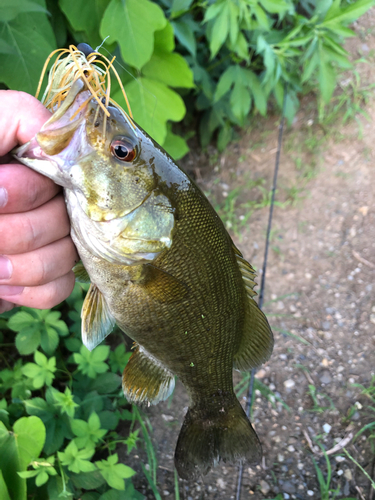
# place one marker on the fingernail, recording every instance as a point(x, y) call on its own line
point(3, 197)
point(6, 268)
point(10, 290)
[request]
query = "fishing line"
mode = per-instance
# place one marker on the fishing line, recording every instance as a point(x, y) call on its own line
point(250, 393)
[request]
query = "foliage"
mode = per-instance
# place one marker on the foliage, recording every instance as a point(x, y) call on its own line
point(59, 411)
point(222, 60)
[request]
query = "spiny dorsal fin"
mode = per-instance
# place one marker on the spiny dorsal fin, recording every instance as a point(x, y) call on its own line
point(257, 340)
point(80, 273)
point(97, 321)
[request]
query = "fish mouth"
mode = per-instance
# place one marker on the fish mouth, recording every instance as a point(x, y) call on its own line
point(55, 147)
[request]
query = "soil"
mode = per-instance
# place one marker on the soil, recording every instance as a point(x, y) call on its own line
point(319, 299)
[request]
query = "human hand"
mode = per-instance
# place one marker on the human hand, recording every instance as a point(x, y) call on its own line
point(36, 251)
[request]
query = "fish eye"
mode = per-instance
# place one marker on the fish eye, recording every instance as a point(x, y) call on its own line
point(123, 150)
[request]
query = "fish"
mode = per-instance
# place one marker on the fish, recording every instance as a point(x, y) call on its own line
point(162, 267)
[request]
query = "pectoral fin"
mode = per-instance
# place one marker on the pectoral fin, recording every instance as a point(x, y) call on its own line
point(97, 320)
point(163, 286)
point(257, 340)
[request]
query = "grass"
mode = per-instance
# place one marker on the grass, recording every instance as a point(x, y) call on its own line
point(350, 101)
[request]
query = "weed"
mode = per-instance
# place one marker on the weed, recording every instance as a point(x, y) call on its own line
point(348, 104)
point(316, 396)
point(264, 390)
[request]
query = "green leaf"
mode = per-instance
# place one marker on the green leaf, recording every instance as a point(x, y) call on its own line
point(88, 480)
point(9, 9)
point(119, 358)
point(85, 16)
point(327, 78)
point(219, 29)
point(64, 401)
point(153, 104)
point(109, 419)
point(184, 32)
point(91, 363)
point(17, 449)
point(28, 340)
point(275, 6)
point(175, 145)
point(180, 5)
point(88, 433)
point(30, 435)
point(41, 373)
point(348, 14)
point(240, 100)
point(106, 383)
point(164, 39)
point(114, 473)
point(225, 83)
point(4, 493)
point(20, 320)
point(77, 461)
point(49, 340)
point(31, 35)
point(132, 24)
point(169, 68)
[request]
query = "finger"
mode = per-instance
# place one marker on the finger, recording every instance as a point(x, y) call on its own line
point(22, 189)
point(39, 266)
point(22, 116)
point(5, 306)
point(43, 296)
point(22, 233)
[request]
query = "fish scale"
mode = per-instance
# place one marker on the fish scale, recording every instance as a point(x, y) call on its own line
point(163, 268)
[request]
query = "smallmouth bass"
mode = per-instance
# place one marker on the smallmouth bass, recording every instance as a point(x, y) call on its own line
point(162, 267)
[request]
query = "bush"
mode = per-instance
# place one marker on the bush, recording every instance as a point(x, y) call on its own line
point(59, 410)
point(222, 60)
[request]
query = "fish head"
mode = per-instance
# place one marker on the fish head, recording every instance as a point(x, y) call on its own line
point(109, 169)
point(98, 157)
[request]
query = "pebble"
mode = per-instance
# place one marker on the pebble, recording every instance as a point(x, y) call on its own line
point(286, 496)
point(288, 487)
point(340, 459)
point(291, 448)
point(221, 483)
point(264, 487)
point(167, 418)
point(327, 428)
point(289, 384)
point(166, 493)
point(326, 325)
point(325, 377)
point(310, 493)
point(348, 474)
point(340, 472)
point(280, 457)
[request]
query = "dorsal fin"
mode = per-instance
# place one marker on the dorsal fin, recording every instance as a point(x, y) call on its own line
point(257, 340)
point(97, 320)
point(80, 273)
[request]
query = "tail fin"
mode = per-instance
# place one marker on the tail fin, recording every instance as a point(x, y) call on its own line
point(207, 436)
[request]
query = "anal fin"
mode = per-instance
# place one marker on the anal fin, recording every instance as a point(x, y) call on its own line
point(97, 320)
point(257, 340)
point(145, 379)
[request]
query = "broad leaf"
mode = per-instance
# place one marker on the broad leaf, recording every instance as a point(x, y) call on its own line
point(153, 104)
point(132, 24)
point(114, 473)
point(31, 35)
point(85, 16)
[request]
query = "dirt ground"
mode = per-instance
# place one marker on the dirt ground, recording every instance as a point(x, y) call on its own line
point(319, 299)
